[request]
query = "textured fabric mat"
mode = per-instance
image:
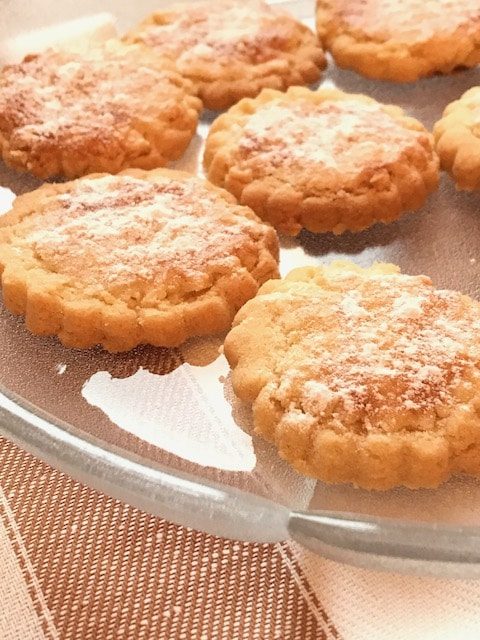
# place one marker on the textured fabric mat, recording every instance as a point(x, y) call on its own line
point(106, 570)
point(75, 564)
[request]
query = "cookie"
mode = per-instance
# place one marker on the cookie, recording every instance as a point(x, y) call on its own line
point(400, 40)
point(363, 376)
point(142, 257)
point(234, 50)
point(457, 140)
point(321, 160)
point(104, 109)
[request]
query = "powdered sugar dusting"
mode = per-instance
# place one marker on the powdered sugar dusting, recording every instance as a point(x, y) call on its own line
point(350, 305)
point(115, 232)
point(319, 394)
point(409, 20)
point(60, 95)
point(244, 30)
point(408, 306)
point(344, 135)
point(413, 350)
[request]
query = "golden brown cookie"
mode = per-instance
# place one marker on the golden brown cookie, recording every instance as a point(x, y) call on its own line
point(142, 257)
point(105, 109)
point(365, 376)
point(400, 40)
point(457, 138)
point(233, 49)
point(324, 160)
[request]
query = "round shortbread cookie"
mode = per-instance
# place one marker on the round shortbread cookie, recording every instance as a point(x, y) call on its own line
point(324, 160)
point(365, 376)
point(234, 49)
point(104, 109)
point(400, 40)
point(141, 257)
point(457, 139)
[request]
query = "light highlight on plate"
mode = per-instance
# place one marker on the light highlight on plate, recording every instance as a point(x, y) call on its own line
point(146, 405)
point(6, 198)
point(72, 35)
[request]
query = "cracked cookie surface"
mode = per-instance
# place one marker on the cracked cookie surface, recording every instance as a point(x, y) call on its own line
point(234, 50)
point(457, 140)
point(104, 109)
point(321, 160)
point(142, 257)
point(400, 40)
point(365, 376)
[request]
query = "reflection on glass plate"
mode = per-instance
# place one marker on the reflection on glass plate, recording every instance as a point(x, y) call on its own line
point(149, 406)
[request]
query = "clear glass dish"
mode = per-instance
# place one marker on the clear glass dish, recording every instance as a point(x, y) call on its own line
point(162, 430)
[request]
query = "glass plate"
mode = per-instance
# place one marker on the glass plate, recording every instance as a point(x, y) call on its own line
point(162, 429)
